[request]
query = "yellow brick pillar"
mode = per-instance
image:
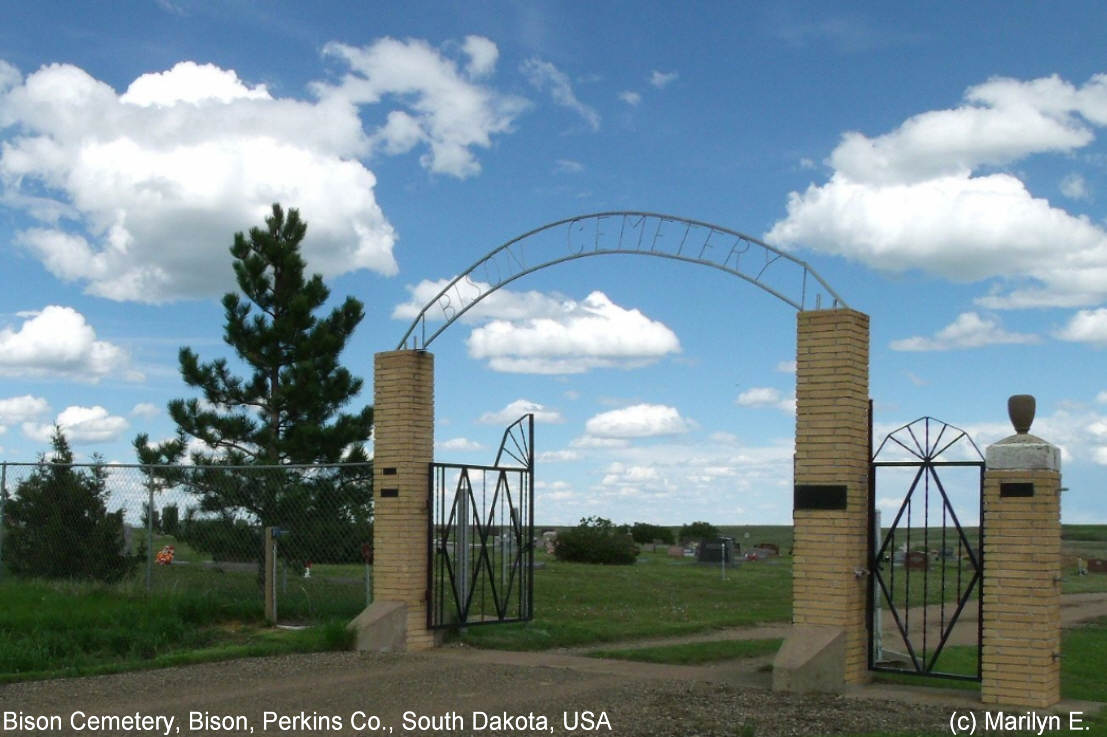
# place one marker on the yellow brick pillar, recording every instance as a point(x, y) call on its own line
point(829, 644)
point(403, 445)
point(1020, 657)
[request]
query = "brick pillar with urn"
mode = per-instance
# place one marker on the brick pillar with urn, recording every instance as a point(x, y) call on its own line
point(1021, 617)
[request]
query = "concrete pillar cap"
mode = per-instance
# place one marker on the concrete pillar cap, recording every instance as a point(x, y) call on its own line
point(1023, 451)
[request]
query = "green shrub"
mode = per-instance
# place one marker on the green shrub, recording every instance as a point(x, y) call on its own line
point(698, 531)
point(57, 524)
point(643, 532)
point(170, 519)
point(226, 538)
point(596, 540)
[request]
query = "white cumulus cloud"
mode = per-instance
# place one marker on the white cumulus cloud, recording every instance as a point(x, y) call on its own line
point(81, 426)
point(1086, 326)
point(759, 396)
point(558, 456)
point(638, 421)
point(459, 444)
point(590, 442)
point(593, 333)
point(145, 409)
point(57, 342)
point(504, 304)
point(435, 103)
point(193, 83)
point(137, 194)
point(517, 409)
point(621, 474)
point(15, 410)
point(969, 330)
point(916, 198)
point(535, 332)
point(766, 396)
point(482, 54)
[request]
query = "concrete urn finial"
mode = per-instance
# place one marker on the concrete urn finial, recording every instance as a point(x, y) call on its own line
point(1020, 408)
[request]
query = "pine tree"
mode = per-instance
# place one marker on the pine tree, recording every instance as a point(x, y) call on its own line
point(58, 526)
point(288, 410)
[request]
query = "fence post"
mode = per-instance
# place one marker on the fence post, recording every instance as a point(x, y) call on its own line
point(150, 539)
point(368, 586)
point(3, 500)
point(270, 577)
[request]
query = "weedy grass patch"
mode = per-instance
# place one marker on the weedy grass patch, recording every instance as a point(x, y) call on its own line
point(46, 633)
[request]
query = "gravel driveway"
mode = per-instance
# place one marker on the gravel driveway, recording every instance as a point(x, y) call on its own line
point(463, 691)
point(451, 691)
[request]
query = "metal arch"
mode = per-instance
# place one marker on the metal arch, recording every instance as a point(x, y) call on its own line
point(506, 265)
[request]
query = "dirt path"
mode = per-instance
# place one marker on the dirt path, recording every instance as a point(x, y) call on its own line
point(1075, 608)
point(453, 691)
point(464, 691)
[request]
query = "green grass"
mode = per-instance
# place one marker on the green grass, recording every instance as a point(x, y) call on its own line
point(1084, 651)
point(333, 591)
point(1085, 533)
point(694, 653)
point(43, 635)
point(579, 604)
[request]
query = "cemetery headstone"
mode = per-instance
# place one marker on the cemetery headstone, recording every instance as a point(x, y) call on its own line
point(916, 559)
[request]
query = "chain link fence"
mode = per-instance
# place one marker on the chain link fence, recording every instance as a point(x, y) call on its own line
point(173, 529)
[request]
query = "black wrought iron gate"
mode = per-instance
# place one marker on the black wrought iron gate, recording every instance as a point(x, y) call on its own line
point(481, 537)
point(925, 577)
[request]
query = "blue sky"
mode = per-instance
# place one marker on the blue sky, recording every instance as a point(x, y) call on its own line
point(941, 166)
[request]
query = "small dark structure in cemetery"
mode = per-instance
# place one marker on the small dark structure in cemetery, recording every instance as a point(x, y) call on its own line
point(719, 550)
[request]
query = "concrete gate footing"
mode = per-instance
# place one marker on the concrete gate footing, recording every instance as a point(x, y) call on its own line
point(811, 660)
point(381, 627)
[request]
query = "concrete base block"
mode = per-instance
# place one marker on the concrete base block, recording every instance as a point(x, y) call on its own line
point(811, 660)
point(381, 627)
point(1023, 453)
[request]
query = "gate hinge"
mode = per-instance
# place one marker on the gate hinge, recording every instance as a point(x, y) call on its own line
point(861, 572)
